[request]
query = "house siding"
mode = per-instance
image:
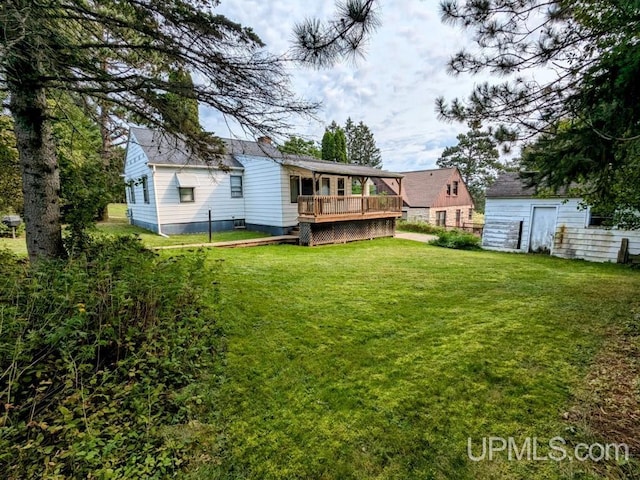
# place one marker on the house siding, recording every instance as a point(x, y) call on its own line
point(213, 193)
point(141, 213)
point(572, 238)
point(263, 191)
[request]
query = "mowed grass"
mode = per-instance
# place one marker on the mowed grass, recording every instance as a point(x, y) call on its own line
point(378, 360)
point(118, 225)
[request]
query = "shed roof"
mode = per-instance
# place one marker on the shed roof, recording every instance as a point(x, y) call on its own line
point(510, 185)
point(163, 149)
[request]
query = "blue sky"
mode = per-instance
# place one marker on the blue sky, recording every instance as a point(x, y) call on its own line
point(392, 89)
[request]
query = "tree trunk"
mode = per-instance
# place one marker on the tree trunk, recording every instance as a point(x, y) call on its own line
point(40, 172)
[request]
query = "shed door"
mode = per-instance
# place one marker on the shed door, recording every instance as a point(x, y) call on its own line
point(543, 227)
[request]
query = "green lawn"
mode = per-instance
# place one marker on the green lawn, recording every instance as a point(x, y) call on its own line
point(377, 360)
point(118, 225)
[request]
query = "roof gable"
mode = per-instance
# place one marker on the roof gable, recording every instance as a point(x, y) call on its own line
point(421, 188)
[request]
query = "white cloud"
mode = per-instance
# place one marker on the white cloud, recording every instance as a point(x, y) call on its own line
point(393, 89)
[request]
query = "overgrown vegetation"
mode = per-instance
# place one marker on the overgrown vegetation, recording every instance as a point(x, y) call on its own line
point(457, 239)
point(97, 355)
point(418, 227)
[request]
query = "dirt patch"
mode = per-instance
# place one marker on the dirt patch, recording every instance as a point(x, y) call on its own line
point(608, 403)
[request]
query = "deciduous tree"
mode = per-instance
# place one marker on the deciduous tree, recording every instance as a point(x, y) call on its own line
point(299, 146)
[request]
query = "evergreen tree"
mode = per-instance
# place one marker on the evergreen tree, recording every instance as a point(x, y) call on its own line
point(334, 144)
point(116, 54)
point(361, 146)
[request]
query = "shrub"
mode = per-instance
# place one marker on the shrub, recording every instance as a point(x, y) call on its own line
point(457, 239)
point(419, 227)
point(96, 354)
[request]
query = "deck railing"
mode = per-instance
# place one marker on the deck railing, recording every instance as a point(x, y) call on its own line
point(348, 206)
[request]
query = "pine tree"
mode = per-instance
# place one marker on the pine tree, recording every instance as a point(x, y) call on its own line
point(361, 145)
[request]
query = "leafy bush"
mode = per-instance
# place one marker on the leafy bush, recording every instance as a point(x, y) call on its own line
point(419, 227)
point(457, 239)
point(96, 354)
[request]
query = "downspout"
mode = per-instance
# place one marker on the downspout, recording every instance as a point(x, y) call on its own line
point(155, 202)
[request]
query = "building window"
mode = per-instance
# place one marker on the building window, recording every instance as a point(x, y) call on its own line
point(186, 194)
point(325, 188)
point(471, 214)
point(448, 189)
point(341, 189)
point(307, 186)
point(145, 189)
point(458, 217)
point(236, 186)
point(441, 218)
point(294, 188)
point(132, 193)
point(455, 188)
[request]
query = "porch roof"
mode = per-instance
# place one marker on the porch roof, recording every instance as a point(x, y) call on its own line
point(334, 168)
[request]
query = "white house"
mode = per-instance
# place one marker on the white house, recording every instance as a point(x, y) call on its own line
point(518, 221)
point(254, 186)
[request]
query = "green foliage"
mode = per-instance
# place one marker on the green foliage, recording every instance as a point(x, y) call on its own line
point(10, 179)
point(97, 354)
point(457, 240)
point(592, 48)
point(361, 146)
point(334, 144)
point(299, 146)
point(181, 104)
point(419, 227)
point(477, 158)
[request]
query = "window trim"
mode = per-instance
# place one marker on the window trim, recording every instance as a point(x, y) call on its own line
point(294, 180)
point(182, 190)
point(235, 193)
point(444, 218)
point(132, 193)
point(145, 189)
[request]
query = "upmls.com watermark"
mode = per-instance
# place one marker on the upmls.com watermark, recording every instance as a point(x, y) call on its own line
point(532, 449)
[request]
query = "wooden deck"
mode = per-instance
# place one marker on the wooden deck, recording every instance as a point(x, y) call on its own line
point(334, 208)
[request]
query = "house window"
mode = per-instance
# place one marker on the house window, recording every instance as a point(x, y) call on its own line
point(132, 193)
point(441, 218)
point(145, 189)
point(458, 217)
point(448, 189)
point(294, 188)
point(326, 186)
point(186, 194)
point(455, 188)
point(598, 219)
point(236, 186)
point(470, 214)
point(341, 189)
point(307, 186)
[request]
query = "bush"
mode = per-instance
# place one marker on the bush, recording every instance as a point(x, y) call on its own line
point(419, 227)
point(96, 354)
point(457, 239)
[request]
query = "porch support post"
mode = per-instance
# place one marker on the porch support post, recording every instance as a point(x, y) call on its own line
point(316, 210)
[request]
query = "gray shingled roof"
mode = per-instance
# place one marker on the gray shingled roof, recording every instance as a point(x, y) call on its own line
point(421, 188)
point(510, 185)
point(164, 149)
